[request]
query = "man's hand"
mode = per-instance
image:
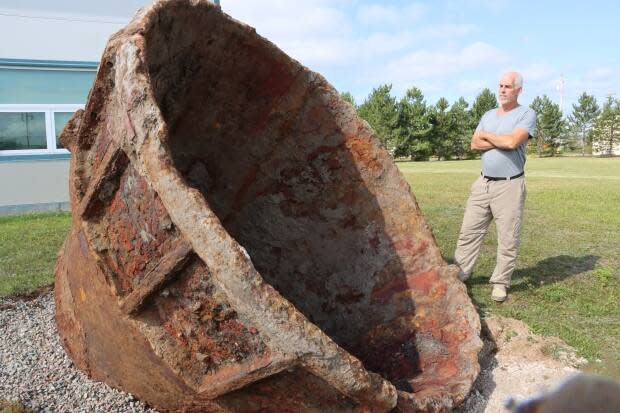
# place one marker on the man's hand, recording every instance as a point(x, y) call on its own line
point(478, 143)
point(507, 142)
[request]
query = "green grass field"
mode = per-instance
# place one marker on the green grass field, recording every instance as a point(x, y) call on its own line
point(28, 248)
point(567, 283)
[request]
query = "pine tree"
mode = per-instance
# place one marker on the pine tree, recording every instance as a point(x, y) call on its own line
point(440, 135)
point(538, 107)
point(606, 131)
point(348, 97)
point(461, 129)
point(554, 126)
point(413, 126)
point(381, 112)
point(581, 120)
point(551, 130)
point(483, 103)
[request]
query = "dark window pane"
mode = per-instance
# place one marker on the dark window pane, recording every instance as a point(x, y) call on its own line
point(22, 130)
point(60, 120)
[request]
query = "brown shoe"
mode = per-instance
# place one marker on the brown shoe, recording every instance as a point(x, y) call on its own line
point(499, 293)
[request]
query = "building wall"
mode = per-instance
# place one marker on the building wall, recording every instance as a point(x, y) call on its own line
point(24, 86)
point(601, 150)
point(40, 185)
point(37, 98)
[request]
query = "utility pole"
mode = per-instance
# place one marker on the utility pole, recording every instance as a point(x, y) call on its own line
point(560, 88)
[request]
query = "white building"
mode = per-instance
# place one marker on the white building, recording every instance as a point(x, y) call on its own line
point(37, 98)
point(48, 62)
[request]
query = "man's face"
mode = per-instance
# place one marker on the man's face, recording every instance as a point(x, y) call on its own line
point(508, 93)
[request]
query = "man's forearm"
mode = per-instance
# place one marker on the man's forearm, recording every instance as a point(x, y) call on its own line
point(480, 144)
point(498, 141)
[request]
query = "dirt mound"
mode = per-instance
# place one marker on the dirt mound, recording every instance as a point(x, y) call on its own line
point(517, 364)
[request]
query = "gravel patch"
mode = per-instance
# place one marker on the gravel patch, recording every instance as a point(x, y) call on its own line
point(35, 369)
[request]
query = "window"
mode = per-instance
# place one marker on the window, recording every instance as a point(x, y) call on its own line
point(22, 130)
point(33, 129)
point(60, 120)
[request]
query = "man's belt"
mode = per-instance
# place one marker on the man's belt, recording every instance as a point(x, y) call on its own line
point(501, 178)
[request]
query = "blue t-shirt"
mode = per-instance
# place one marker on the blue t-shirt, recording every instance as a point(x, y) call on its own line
point(501, 162)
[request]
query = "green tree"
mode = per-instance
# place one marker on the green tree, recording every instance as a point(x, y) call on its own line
point(606, 130)
point(484, 102)
point(413, 126)
point(538, 106)
point(440, 136)
point(551, 130)
point(555, 127)
point(582, 119)
point(347, 96)
point(461, 129)
point(381, 112)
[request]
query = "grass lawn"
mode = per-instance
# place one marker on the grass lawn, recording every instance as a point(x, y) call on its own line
point(567, 283)
point(28, 248)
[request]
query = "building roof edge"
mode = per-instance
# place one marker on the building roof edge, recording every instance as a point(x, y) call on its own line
point(47, 64)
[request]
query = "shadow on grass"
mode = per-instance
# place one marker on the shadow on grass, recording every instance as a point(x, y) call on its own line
point(547, 271)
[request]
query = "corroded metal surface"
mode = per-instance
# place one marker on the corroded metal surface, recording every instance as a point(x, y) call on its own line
point(242, 243)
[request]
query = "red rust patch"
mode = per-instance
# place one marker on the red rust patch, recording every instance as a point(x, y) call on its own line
point(364, 152)
point(408, 247)
point(195, 314)
point(136, 230)
point(422, 282)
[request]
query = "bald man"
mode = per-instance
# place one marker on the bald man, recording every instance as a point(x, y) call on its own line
point(499, 192)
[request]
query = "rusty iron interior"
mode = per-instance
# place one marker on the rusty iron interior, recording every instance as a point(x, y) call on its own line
point(271, 162)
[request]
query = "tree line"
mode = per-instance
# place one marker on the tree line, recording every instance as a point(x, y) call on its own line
point(411, 128)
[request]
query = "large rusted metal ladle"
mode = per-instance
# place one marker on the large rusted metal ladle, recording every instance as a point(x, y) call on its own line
point(241, 242)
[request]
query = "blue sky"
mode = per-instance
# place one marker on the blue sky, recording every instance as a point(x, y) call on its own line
point(446, 48)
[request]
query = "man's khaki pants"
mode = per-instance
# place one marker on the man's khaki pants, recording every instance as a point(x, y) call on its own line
point(502, 200)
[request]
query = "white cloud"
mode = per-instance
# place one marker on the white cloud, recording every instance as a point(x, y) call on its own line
point(278, 19)
point(325, 35)
point(482, 53)
point(472, 86)
point(446, 31)
point(429, 64)
point(538, 72)
point(599, 73)
point(438, 72)
point(321, 53)
point(600, 81)
point(380, 43)
point(318, 33)
point(492, 5)
point(378, 15)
